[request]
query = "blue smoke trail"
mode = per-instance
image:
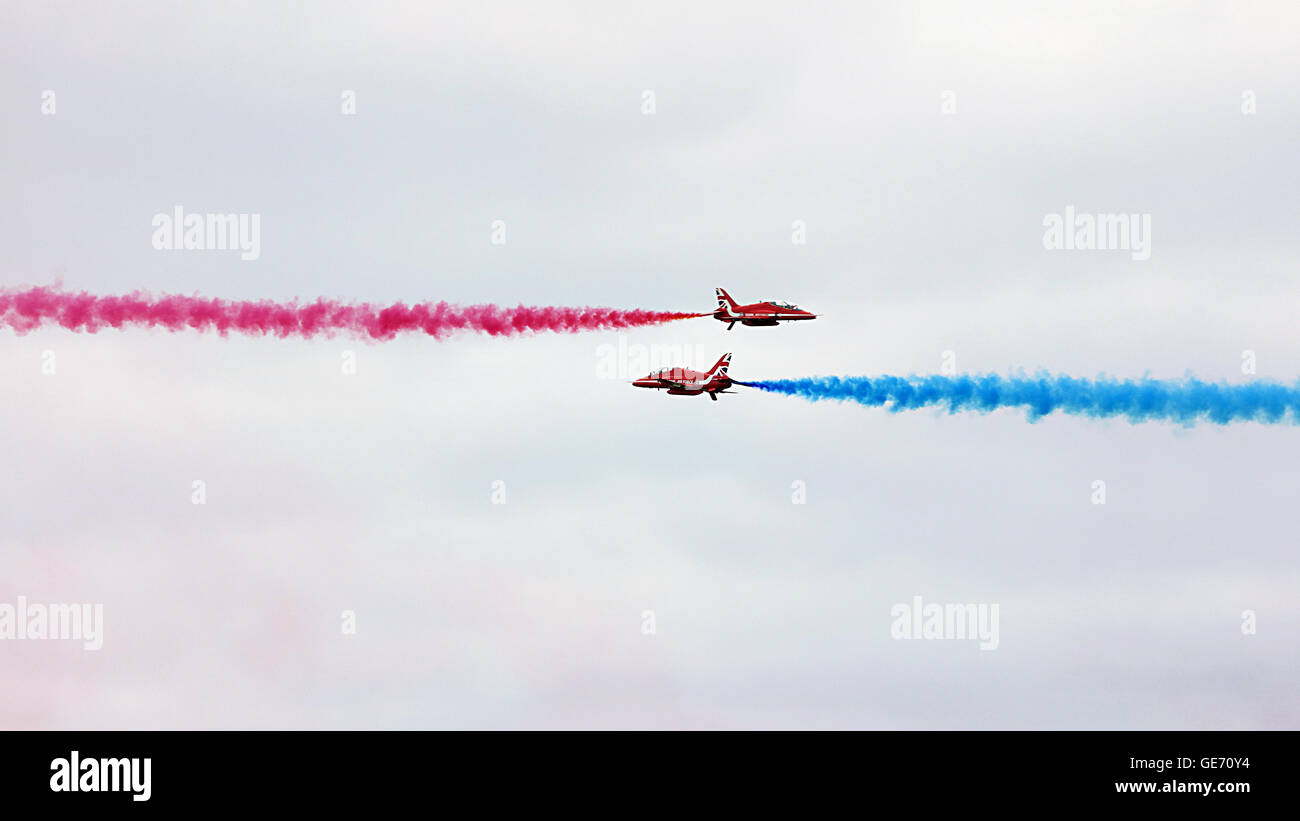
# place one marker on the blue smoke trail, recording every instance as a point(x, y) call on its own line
point(1185, 401)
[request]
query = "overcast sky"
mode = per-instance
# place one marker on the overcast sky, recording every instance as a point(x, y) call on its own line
point(921, 145)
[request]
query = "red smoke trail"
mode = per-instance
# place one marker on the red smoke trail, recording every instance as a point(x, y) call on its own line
point(27, 310)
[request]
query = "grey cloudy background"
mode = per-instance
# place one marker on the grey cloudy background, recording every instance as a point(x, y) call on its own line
point(372, 492)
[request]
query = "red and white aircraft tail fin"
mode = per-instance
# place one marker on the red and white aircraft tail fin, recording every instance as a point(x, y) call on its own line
point(725, 302)
point(720, 367)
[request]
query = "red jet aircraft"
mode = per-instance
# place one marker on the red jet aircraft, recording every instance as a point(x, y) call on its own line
point(686, 382)
point(773, 312)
